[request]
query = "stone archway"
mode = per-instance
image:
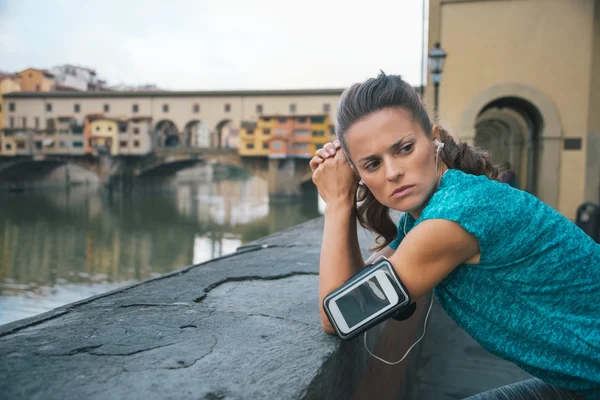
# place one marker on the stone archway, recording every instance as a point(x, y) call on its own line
point(166, 134)
point(218, 139)
point(196, 134)
point(543, 136)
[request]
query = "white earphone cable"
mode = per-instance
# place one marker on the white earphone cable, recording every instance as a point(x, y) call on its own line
point(411, 347)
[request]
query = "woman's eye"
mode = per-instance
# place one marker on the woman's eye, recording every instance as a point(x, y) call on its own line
point(372, 165)
point(407, 148)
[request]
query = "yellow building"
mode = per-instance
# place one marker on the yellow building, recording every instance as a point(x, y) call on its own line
point(254, 138)
point(36, 80)
point(103, 136)
point(517, 85)
point(321, 132)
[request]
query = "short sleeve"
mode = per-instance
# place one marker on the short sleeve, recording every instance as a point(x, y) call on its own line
point(400, 235)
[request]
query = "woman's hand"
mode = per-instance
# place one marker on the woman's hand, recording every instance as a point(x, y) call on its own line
point(336, 181)
point(327, 151)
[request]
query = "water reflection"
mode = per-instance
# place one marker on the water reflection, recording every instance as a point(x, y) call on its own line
point(60, 246)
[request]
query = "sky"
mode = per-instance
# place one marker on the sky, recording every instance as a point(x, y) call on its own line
point(217, 44)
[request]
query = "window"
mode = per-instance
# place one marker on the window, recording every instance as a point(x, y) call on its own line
point(37, 123)
point(292, 108)
point(25, 122)
point(8, 146)
point(250, 131)
point(123, 143)
point(37, 88)
point(317, 120)
point(276, 145)
point(318, 133)
point(249, 145)
point(326, 107)
point(282, 120)
point(12, 122)
point(266, 131)
point(77, 145)
point(301, 120)
point(136, 131)
point(280, 131)
point(227, 107)
point(63, 144)
point(196, 108)
point(20, 145)
point(259, 109)
point(50, 124)
point(301, 132)
point(11, 106)
point(106, 108)
point(97, 128)
point(165, 108)
point(135, 108)
point(136, 143)
point(266, 145)
point(48, 107)
point(110, 128)
point(76, 108)
point(300, 146)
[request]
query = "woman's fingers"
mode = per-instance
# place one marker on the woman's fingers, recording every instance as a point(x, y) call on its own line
point(328, 150)
point(315, 162)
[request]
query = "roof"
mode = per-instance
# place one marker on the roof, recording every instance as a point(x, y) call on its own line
point(44, 71)
point(65, 88)
point(207, 93)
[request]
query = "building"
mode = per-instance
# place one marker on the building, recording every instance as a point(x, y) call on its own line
point(522, 87)
point(71, 77)
point(197, 119)
point(8, 83)
point(136, 140)
point(103, 136)
point(37, 80)
point(283, 136)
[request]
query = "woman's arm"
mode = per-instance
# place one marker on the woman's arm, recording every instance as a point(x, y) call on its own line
point(340, 253)
point(429, 252)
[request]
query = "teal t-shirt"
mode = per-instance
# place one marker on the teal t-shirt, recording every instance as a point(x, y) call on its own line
point(534, 298)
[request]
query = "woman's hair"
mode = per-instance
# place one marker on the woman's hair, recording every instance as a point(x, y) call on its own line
point(390, 91)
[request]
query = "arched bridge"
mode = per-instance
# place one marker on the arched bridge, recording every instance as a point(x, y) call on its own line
point(284, 176)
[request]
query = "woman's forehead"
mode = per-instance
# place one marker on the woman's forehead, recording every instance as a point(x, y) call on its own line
point(380, 129)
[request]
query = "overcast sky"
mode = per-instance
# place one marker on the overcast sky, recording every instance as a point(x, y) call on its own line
point(217, 44)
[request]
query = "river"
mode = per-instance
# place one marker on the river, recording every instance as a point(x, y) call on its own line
point(58, 246)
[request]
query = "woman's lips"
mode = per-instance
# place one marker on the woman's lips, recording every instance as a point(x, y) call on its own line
point(402, 191)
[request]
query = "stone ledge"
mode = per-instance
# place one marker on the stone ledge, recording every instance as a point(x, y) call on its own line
point(243, 326)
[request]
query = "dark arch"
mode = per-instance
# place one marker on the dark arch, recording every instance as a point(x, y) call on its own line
point(218, 133)
point(166, 134)
point(512, 127)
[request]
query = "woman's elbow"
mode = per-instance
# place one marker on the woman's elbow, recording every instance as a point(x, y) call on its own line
point(327, 328)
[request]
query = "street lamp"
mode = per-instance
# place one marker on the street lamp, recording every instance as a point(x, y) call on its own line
point(436, 66)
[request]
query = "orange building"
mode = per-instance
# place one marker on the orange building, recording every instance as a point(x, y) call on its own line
point(36, 80)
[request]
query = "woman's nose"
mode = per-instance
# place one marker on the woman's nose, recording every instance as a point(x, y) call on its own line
point(393, 171)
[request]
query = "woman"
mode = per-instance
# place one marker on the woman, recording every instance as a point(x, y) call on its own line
point(520, 278)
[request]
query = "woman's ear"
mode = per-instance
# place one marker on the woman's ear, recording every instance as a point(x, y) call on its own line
point(435, 132)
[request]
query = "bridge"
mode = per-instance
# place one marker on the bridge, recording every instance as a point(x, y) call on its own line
point(284, 176)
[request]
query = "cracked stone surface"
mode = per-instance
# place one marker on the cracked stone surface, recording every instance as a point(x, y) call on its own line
point(243, 326)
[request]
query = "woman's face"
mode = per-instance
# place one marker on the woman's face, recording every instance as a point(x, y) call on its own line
point(394, 158)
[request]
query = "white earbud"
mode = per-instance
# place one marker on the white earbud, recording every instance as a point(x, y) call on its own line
point(439, 146)
point(361, 182)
